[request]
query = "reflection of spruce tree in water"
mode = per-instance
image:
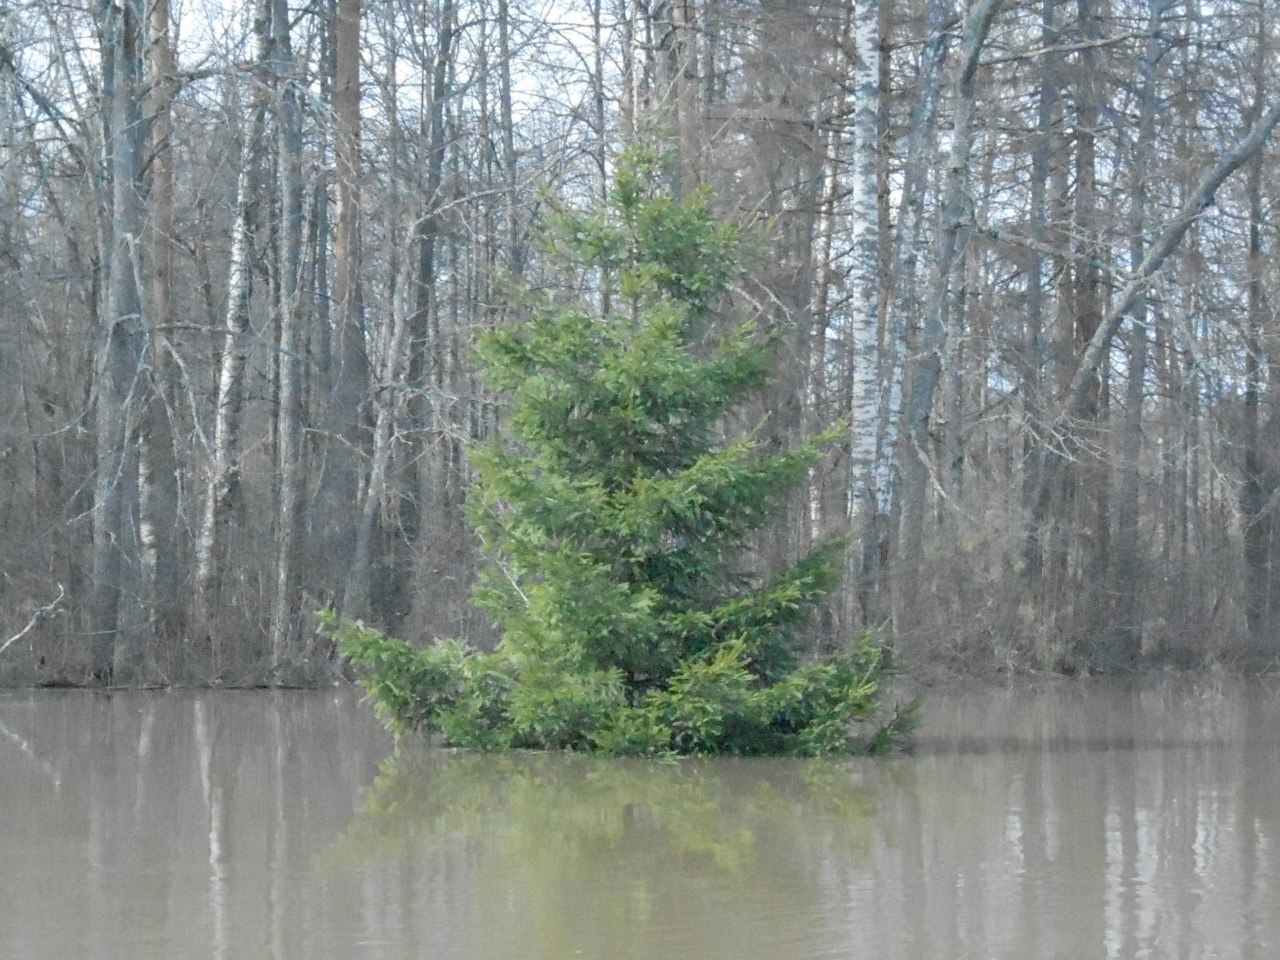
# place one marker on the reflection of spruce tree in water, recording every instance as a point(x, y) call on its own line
point(554, 856)
point(572, 810)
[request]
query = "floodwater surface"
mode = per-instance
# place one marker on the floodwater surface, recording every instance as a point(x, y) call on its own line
point(1075, 820)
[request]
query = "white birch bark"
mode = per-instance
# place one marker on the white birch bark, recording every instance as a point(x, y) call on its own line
point(894, 334)
point(815, 384)
point(222, 487)
point(869, 491)
point(637, 55)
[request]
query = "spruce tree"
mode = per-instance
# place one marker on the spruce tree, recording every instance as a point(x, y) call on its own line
point(616, 515)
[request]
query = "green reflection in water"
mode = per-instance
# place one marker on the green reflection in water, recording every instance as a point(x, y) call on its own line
point(553, 855)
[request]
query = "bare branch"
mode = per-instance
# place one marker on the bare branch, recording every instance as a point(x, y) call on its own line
point(40, 615)
point(1200, 199)
point(1064, 48)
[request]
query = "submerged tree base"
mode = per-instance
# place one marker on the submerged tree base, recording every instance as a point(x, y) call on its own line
point(714, 704)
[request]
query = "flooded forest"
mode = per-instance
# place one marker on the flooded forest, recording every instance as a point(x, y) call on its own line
point(1080, 819)
point(1023, 255)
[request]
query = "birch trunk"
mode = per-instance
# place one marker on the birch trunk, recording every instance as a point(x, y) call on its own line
point(902, 294)
point(882, 378)
point(223, 488)
point(864, 278)
point(637, 51)
point(834, 154)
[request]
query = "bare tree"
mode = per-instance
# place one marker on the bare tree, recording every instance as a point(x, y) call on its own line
point(345, 446)
point(223, 490)
point(159, 488)
point(289, 409)
point(1128, 574)
point(954, 232)
point(119, 388)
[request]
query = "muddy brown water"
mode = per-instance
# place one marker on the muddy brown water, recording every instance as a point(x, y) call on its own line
point(1077, 820)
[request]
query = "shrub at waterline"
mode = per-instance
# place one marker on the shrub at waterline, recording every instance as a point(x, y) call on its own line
point(615, 518)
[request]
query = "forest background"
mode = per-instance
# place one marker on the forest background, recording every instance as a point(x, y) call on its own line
point(1025, 251)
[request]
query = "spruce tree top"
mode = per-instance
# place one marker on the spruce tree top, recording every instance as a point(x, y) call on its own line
point(614, 509)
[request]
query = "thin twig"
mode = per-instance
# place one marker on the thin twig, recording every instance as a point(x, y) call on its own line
point(42, 614)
